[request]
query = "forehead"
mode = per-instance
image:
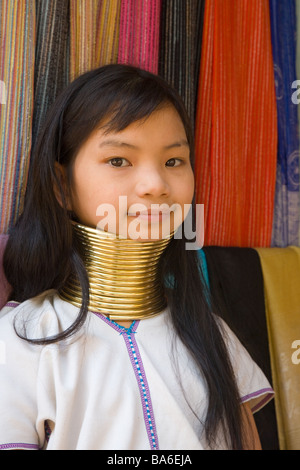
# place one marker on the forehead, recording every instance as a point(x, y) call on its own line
point(162, 123)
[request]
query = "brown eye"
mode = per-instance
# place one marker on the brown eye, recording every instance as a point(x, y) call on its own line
point(173, 162)
point(118, 162)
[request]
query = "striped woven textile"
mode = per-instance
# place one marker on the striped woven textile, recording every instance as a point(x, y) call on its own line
point(139, 33)
point(83, 20)
point(298, 69)
point(107, 38)
point(17, 47)
point(94, 35)
point(180, 47)
point(236, 124)
point(287, 196)
point(51, 57)
point(5, 288)
point(281, 276)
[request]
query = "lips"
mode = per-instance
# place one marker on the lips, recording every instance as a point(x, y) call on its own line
point(151, 214)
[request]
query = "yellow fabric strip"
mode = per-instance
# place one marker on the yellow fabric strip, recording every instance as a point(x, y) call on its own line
point(281, 273)
point(94, 34)
point(107, 38)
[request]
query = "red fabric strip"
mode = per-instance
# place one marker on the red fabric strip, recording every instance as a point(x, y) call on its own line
point(139, 33)
point(236, 124)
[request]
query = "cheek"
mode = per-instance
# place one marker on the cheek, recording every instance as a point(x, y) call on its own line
point(187, 189)
point(85, 198)
point(191, 190)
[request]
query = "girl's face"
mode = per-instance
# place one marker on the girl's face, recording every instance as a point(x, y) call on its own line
point(135, 182)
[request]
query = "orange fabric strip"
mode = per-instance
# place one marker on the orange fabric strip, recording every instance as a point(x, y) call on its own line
point(236, 124)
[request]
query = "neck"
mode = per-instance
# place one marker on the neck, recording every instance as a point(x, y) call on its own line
point(123, 274)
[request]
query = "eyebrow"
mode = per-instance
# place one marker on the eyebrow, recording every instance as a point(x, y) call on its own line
point(116, 143)
point(180, 143)
point(119, 143)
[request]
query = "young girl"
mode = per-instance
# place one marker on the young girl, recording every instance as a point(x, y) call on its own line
point(110, 338)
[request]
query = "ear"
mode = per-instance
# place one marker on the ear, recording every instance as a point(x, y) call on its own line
point(60, 186)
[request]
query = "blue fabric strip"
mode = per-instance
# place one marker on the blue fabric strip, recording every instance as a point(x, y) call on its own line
point(286, 207)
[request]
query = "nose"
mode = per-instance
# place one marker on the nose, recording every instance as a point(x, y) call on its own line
point(152, 182)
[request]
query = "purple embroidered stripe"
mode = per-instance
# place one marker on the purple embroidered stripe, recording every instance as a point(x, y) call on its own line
point(267, 395)
point(263, 402)
point(19, 445)
point(12, 304)
point(137, 364)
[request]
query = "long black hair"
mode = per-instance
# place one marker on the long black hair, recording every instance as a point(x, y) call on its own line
point(42, 250)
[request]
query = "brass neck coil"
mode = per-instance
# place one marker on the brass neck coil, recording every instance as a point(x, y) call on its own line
point(123, 275)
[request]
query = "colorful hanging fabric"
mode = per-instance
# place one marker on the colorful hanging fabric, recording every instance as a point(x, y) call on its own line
point(5, 288)
point(51, 57)
point(236, 285)
point(139, 33)
point(297, 97)
point(281, 274)
point(180, 47)
point(287, 203)
point(203, 266)
point(17, 44)
point(236, 129)
point(240, 296)
point(107, 37)
point(94, 35)
point(83, 20)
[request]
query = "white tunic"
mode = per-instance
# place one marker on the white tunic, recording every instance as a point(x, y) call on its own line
point(109, 387)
